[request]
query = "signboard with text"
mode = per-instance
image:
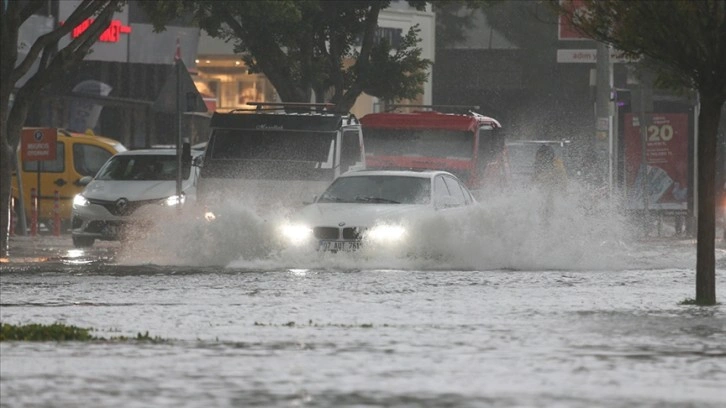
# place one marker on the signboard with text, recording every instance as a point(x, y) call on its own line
point(38, 144)
point(658, 179)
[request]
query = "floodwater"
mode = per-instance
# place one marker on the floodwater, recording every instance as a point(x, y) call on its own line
point(574, 312)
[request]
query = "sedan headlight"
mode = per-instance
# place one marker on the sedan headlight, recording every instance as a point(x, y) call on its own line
point(296, 234)
point(80, 201)
point(175, 200)
point(386, 234)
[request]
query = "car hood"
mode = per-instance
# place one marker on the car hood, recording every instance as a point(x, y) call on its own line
point(355, 214)
point(111, 190)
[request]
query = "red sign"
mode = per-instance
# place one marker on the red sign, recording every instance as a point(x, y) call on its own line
point(663, 177)
point(110, 34)
point(38, 144)
point(566, 30)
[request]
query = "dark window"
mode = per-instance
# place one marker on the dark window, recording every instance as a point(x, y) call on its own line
point(88, 159)
point(440, 189)
point(349, 150)
point(51, 166)
point(272, 145)
point(456, 190)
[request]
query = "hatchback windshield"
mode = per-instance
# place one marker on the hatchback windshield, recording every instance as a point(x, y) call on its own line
point(378, 190)
point(141, 167)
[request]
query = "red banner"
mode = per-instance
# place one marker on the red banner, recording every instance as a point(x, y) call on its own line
point(660, 179)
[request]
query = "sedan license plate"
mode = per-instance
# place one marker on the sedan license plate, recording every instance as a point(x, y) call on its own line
point(335, 246)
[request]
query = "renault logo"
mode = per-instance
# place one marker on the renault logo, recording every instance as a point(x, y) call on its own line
point(340, 224)
point(122, 205)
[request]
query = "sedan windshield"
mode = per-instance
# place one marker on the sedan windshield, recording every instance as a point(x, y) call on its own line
point(141, 167)
point(378, 190)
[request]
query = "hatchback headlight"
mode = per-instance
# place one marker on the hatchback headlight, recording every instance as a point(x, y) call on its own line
point(296, 234)
point(80, 201)
point(386, 234)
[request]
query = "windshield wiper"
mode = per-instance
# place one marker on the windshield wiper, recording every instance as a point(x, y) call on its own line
point(371, 199)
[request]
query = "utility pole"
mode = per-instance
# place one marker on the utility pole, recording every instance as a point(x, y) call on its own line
point(603, 116)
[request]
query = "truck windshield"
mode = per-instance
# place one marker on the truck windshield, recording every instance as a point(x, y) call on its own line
point(421, 142)
point(282, 145)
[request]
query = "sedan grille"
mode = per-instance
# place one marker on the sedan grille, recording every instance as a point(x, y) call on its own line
point(333, 233)
point(326, 232)
point(122, 207)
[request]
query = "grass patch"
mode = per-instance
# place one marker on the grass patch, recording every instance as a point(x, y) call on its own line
point(62, 332)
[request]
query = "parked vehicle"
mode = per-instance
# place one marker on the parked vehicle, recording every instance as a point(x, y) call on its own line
point(77, 155)
point(372, 207)
point(466, 144)
point(277, 154)
point(134, 187)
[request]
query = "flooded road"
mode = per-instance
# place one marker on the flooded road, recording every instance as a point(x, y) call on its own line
point(513, 311)
point(245, 335)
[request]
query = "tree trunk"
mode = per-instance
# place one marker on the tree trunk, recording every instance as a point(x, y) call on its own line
point(705, 253)
point(5, 179)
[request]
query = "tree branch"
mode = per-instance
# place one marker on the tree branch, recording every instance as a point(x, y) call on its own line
point(85, 10)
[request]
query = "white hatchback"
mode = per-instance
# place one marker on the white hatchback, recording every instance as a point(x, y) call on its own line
point(372, 207)
point(133, 187)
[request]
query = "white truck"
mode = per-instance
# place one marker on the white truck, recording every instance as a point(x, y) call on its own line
point(278, 155)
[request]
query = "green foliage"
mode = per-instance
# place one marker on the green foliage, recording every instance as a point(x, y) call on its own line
point(62, 332)
point(306, 46)
point(685, 39)
point(42, 332)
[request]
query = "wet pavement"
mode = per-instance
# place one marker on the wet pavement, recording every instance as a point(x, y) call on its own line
point(347, 332)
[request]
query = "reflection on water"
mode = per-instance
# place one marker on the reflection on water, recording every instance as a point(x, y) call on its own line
point(508, 313)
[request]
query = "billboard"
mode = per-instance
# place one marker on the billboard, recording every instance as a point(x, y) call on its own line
point(657, 179)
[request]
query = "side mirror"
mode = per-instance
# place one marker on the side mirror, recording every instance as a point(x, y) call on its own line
point(315, 198)
point(449, 202)
point(85, 180)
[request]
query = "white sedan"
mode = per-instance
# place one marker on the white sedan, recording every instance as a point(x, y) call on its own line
point(373, 208)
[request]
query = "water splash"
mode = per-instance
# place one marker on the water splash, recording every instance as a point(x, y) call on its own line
point(520, 230)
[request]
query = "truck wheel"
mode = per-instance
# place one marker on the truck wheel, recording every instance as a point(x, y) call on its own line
point(83, 242)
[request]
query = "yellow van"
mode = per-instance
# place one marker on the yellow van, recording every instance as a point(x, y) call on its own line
point(77, 155)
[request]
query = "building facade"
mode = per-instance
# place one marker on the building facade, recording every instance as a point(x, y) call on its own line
point(226, 83)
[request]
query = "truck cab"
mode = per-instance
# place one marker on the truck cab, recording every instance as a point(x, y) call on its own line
point(277, 155)
point(438, 137)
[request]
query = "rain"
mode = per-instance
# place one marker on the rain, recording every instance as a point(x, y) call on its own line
point(517, 294)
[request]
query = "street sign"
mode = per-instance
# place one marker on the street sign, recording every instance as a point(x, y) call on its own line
point(38, 144)
point(587, 56)
point(191, 100)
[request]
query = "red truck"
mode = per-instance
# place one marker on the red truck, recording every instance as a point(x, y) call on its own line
point(467, 144)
